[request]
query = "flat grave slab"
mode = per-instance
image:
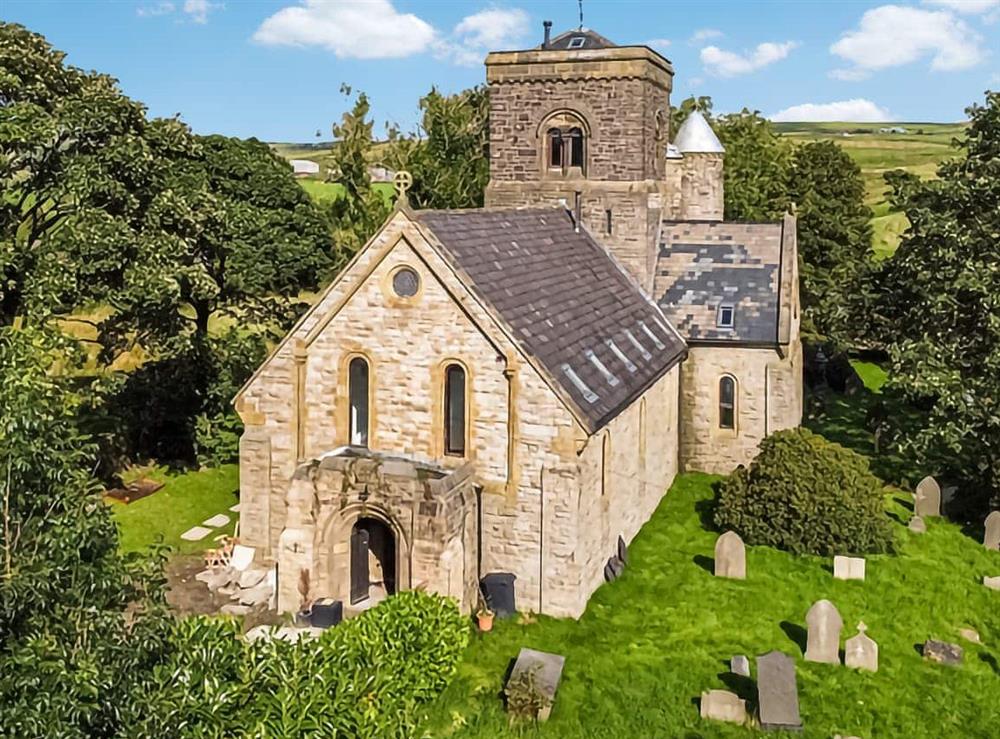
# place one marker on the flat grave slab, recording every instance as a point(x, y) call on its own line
point(219, 519)
point(196, 533)
point(547, 670)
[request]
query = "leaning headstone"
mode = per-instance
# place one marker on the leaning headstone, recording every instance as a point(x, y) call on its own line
point(993, 583)
point(777, 693)
point(849, 568)
point(861, 651)
point(542, 672)
point(917, 525)
point(730, 556)
point(992, 538)
point(613, 569)
point(823, 641)
point(721, 705)
point(740, 665)
point(943, 652)
point(622, 550)
point(928, 498)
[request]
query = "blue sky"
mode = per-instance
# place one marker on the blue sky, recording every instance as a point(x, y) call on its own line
point(273, 68)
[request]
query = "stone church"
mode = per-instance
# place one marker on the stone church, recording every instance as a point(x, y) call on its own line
point(512, 388)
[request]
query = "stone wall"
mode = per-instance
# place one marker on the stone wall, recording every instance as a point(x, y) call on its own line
point(768, 398)
point(701, 184)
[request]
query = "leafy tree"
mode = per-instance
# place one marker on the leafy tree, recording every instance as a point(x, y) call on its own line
point(937, 310)
point(756, 169)
point(834, 237)
point(72, 156)
point(450, 157)
point(79, 624)
point(358, 213)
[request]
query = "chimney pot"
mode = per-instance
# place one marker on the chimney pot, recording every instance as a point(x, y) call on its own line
point(547, 25)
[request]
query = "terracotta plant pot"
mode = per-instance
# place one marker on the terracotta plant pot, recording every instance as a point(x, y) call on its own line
point(485, 621)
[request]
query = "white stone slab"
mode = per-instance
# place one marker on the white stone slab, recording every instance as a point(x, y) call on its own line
point(849, 568)
point(196, 533)
point(235, 508)
point(993, 583)
point(219, 519)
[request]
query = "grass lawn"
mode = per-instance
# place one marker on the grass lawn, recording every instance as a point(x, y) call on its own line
point(327, 192)
point(186, 500)
point(652, 641)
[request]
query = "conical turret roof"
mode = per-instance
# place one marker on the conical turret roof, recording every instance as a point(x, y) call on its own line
point(697, 137)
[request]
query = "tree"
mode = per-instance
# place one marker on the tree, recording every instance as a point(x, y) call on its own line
point(79, 624)
point(756, 168)
point(450, 157)
point(361, 209)
point(834, 237)
point(679, 113)
point(72, 156)
point(937, 310)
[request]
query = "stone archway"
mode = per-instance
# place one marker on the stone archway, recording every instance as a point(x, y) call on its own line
point(359, 542)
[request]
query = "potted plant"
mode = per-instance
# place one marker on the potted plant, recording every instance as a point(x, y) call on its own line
point(485, 617)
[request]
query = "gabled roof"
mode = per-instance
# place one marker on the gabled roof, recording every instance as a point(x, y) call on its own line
point(704, 265)
point(566, 301)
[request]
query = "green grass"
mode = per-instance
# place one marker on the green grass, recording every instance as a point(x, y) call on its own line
point(651, 642)
point(327, 192)
point(878, 153)
point(873, 376)
point(186, 500)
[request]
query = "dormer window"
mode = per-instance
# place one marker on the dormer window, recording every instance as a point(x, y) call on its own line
point(727, 316)
point(577, 42)
point(565, 146)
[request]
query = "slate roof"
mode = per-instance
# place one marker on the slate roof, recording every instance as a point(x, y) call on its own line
point(566, 301)
point(591, 40)
point(704, 265)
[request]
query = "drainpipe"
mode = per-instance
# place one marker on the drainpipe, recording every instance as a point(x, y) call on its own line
point(577, 210)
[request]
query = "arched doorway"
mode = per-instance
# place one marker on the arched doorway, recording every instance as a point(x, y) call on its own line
point(373, 560)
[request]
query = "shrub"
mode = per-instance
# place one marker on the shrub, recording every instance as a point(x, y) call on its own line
point(805, 494)
point(368, 677)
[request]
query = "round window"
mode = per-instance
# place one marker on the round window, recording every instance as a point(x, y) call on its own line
point(405, 282)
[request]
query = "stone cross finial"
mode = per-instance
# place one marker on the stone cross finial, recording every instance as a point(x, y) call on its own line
point(862, 628)
point(402, 181)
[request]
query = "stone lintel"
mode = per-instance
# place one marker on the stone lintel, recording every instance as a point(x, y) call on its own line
point(543, 64)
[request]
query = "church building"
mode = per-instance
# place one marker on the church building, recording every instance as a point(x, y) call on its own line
point(512, 389)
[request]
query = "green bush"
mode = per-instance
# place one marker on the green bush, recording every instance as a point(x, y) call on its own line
point(368, 677)
point(806, 495)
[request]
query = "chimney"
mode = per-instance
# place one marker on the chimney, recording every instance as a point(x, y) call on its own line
point(547, 25)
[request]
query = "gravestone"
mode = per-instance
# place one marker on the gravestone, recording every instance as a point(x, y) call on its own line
point(849, 568)
point(547, 670)
point(721, 705)
point(943, 652)
point(928, 498)
point(823, 641)
point(730, 556)
point(740, 665)
point(777, 693)
point(992, 538)
point(613, 569)
point(861, 652)
point(993, 583)
point(917, 525)
point(970, 635)
point(622, 550)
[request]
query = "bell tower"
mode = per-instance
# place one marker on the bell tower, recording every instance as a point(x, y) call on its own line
point(583, 122)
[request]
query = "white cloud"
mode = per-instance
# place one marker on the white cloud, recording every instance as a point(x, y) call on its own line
point(850, 75)
point(477, 34)
point(704, 34)
point(857, 110)
point(161, 8)
point(891, 35)
point(358, 29)
point(198, 10)
point(730, 64)
point(374, 29)
point(970, 7)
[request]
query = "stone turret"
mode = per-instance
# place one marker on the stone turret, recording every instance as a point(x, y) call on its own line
point(694, 165)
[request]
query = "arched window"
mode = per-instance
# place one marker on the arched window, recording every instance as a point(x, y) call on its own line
point(566, 144)
point(727, 402)
point(454, 410)
point(358, 398)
